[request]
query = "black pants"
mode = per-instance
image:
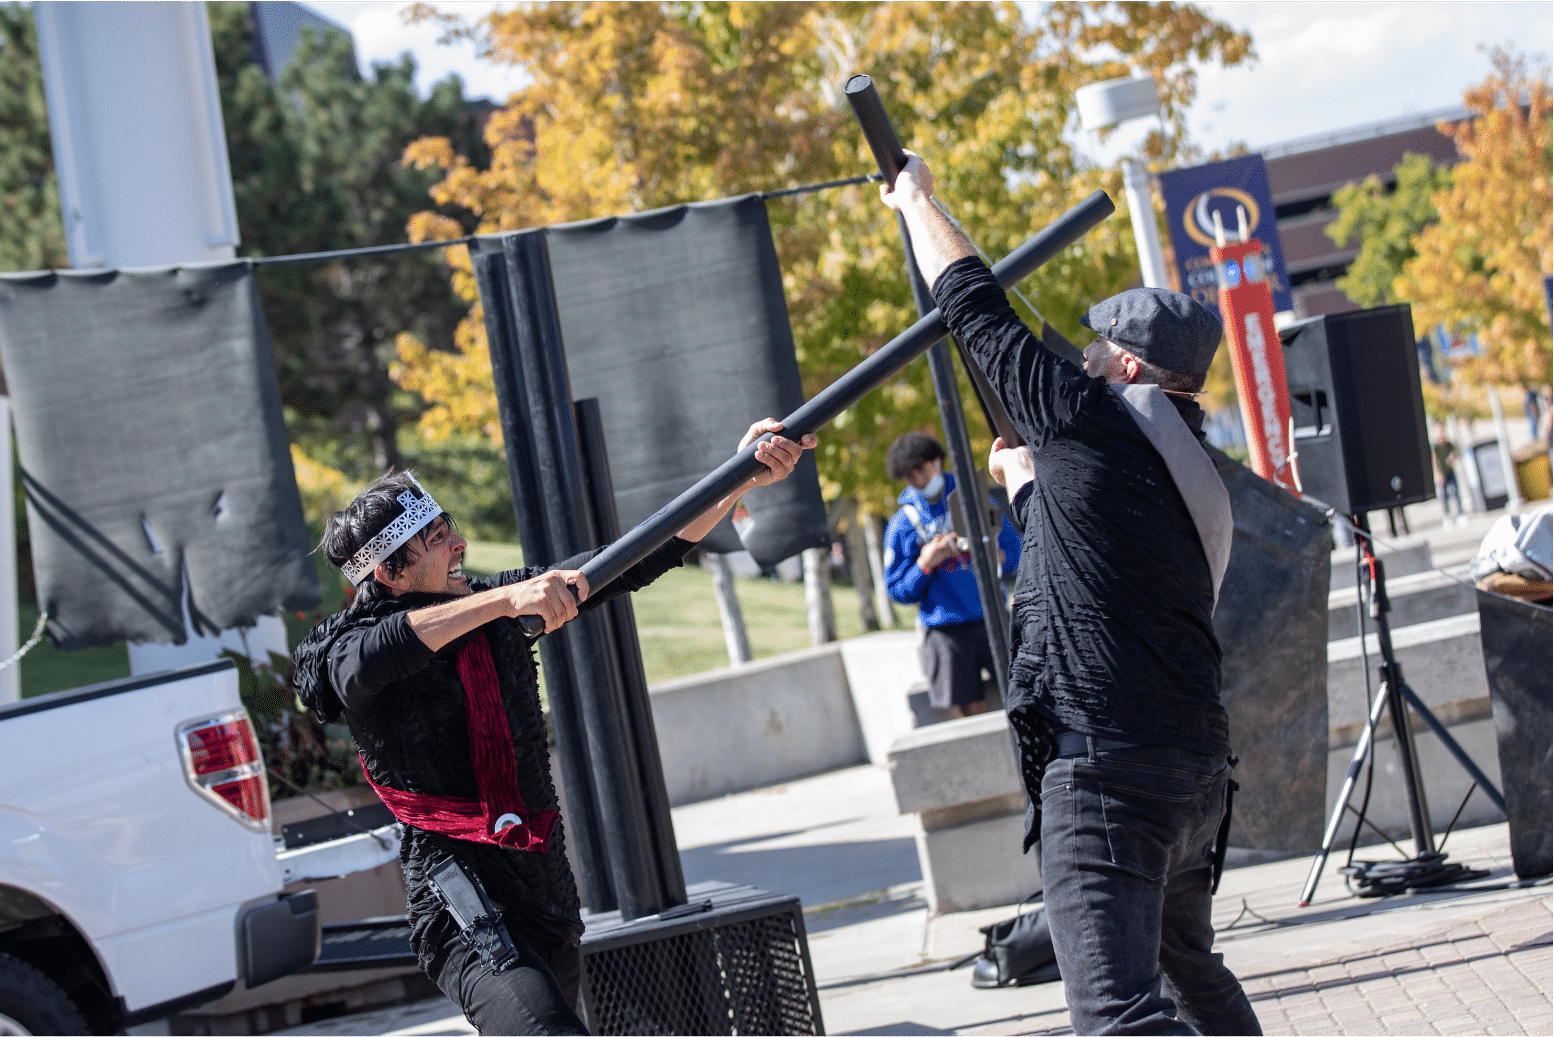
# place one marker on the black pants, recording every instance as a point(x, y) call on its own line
point(536, 995)
point(1127, 859)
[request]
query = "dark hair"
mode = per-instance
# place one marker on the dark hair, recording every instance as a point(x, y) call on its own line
point(911, 451)
point(1171, 381)
point(374, 508)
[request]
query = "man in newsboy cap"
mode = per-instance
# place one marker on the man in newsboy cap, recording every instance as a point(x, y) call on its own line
point(1115, 670)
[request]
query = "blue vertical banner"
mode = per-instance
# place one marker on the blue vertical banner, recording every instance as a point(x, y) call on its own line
point(1194, 195)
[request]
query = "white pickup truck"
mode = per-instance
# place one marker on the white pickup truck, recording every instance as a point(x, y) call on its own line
point(138, 872)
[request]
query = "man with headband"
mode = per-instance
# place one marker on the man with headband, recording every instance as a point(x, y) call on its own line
point(439, 687)
point(1115, 672)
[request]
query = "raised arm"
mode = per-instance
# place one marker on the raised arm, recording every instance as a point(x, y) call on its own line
point(779, 455)
point(936, 242)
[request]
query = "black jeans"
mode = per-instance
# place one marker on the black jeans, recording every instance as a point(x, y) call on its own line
point(535, 995)
point(1127, 843)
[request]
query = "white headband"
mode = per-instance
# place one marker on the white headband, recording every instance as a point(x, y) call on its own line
point(419, 511)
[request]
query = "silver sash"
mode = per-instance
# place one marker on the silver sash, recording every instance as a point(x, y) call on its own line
point(1196, 479)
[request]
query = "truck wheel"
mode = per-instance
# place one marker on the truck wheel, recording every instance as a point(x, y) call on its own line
point(32, 1003)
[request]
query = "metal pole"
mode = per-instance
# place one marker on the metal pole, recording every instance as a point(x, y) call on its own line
point(1513, 492)
point(1361, 748)
point(652, 795)
point(628, 843)
point(884, 608)
point(1397, 709)
point(11, 676)
point(1146, 236)
point(734, 637)
point(984, 549)
point(584, 825)
point(881, 138)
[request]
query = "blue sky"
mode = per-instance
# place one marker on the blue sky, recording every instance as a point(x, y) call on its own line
point(1322, 66)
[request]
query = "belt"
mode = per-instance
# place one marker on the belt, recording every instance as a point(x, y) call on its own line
point(1072, 743)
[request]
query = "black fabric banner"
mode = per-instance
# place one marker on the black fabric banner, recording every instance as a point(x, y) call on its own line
point(1272, 626)
point(153, 452)
point(675, 321)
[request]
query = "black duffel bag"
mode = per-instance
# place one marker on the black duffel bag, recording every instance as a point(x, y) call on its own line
point(1016, 952)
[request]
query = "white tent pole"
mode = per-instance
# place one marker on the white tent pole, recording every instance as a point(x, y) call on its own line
point(11, 676)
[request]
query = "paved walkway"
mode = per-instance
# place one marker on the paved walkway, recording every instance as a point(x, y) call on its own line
point(1474, 961)
point(1463, 962)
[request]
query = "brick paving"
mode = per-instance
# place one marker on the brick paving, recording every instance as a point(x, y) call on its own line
point(1471, 961)
point(1487, 975)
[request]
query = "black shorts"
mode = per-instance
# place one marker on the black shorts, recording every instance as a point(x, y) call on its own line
point(954, 657)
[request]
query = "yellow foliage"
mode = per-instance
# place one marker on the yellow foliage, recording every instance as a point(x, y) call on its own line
point(324, 490)
point(1481, 268)
point(637, 106)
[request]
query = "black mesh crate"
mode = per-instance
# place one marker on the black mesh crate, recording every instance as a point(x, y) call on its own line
point(734, 961)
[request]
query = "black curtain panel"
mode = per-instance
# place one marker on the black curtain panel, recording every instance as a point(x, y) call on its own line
point(153, 453)
point(1272, 626)
point(675, 321)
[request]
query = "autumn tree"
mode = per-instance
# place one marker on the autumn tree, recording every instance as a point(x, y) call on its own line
point(637, 106)
point(1384, 220)
point(31, 234)
point(1480, 268)
point(316, 167)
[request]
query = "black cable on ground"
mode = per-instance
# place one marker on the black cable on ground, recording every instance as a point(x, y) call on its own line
point(1427, 871)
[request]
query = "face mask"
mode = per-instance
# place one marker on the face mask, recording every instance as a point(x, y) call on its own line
point(934, 488)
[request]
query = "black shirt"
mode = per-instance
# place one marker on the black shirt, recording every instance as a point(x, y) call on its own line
point(1112, 631)
point(364, 659)
point(405, 707)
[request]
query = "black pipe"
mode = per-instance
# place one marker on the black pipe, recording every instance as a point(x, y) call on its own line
point(847, 390)
point(584, 826)
point(972, 518)
point(891, 158)
point(621, 623)
point(543, 361)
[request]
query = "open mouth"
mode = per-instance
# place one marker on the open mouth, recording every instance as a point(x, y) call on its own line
point(457, 572)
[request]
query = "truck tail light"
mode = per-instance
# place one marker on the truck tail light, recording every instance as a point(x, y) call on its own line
point(222, 762)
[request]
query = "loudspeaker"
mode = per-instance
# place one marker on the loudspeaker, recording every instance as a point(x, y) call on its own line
point(1357, 409)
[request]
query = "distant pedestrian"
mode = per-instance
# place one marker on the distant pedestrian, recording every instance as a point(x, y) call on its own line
point(926, 566)
point(1443, 452)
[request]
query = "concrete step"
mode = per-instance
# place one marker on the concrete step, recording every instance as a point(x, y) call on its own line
point(1401, 557)
point(1415, 598)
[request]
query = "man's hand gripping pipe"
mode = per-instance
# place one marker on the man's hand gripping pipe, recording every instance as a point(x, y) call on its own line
point(885, 363)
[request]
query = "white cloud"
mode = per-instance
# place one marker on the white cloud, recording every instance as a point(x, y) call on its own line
point(1329, 66)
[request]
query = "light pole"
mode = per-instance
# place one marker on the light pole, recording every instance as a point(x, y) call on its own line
point(1111, 103)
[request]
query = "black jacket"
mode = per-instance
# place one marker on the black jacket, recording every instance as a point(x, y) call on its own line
point(405, 707)
point(1112, 631)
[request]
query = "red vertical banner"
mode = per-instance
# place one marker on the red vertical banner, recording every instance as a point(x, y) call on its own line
point(1246, 306)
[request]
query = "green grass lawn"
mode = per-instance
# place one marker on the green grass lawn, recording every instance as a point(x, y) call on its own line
point(677, 616)
point(45, 668)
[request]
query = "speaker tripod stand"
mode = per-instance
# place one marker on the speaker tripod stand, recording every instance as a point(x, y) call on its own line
point(1428, 867)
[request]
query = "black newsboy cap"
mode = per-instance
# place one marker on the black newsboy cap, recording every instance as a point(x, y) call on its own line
point(1166, 328)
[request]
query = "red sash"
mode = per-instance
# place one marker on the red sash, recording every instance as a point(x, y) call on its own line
point(496, 773)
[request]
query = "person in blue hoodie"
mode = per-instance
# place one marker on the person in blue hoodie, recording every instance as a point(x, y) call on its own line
point(925, 566)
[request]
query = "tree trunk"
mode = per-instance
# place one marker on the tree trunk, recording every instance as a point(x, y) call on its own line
point(858, 567)
point(817, 595)
point(733, 616)
point(883, 606)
